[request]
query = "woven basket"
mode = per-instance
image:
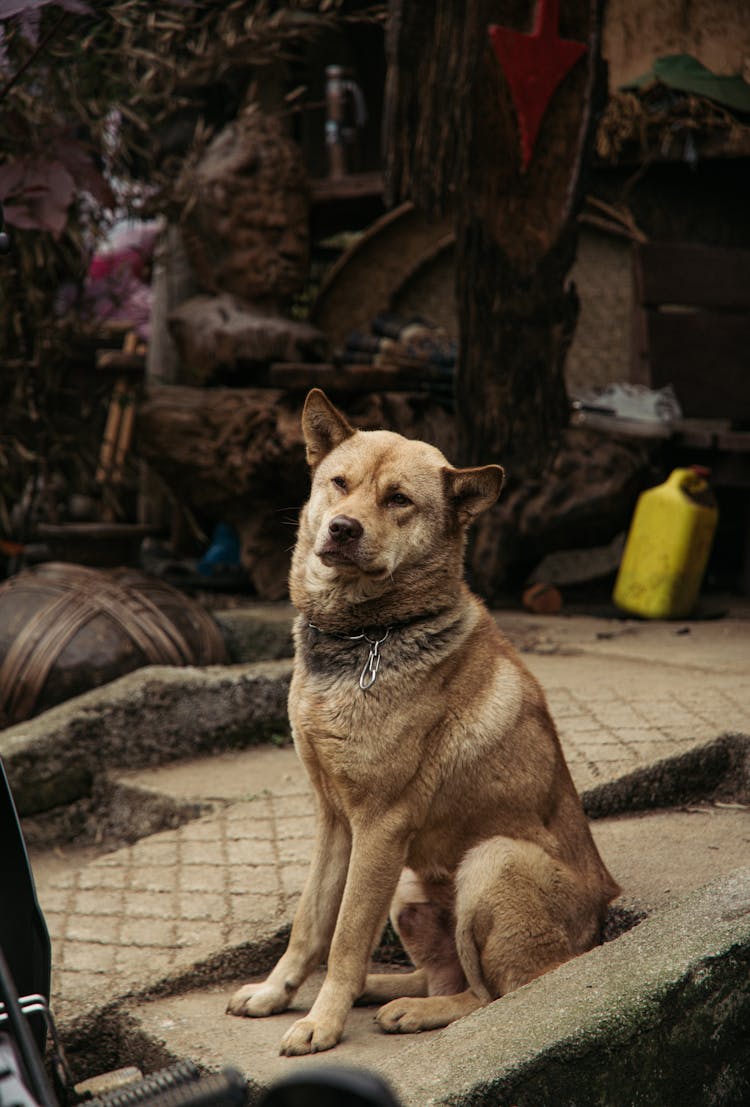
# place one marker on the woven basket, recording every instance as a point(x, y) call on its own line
point(66, 628)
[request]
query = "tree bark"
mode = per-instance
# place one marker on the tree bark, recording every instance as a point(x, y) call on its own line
point(515, 330)
point(454, 147)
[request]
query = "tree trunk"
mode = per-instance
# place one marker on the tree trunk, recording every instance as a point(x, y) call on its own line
point(457, 145)
point(515, 331)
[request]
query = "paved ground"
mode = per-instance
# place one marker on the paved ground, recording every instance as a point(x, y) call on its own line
point(196, 903)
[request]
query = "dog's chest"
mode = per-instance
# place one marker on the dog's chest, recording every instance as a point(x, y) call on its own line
point(354, 737)
point(336, 714)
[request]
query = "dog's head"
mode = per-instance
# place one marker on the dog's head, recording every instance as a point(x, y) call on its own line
point(384, 512)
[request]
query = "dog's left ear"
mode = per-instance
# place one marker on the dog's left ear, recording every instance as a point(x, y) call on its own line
point(472, 491)
point(323, 427)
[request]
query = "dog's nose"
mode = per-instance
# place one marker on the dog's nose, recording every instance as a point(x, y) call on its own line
point(345, 529)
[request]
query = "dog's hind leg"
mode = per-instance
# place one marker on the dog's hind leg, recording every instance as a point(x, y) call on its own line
point(409, 1016)
point(382, 986)
point(520, 912)
point(425, 928)
point(427, 932)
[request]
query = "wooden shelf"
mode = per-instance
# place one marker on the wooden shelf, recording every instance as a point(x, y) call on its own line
point(350, 187)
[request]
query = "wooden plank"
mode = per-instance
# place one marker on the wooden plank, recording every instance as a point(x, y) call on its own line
point(706, 356)
point(737, 442)
point(121, 362)
point(347, 187)
point(346, 378)
point(701, 434)
point(687, 273)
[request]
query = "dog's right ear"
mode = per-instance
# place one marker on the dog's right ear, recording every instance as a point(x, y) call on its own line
point(323, 426)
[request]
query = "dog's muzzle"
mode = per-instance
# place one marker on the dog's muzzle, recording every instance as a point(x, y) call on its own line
point(343, 530)
point(342, 541)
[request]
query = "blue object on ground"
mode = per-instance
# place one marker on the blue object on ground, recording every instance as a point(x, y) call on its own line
point(223, 553)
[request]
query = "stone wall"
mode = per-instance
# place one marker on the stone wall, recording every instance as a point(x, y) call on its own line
point(636, 32)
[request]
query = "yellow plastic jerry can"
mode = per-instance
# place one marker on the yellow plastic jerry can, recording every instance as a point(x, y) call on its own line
point(667, 547)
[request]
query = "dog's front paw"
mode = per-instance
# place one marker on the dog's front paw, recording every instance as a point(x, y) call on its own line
point(308, 1036)
point(258, 1000)
point(401, 1016)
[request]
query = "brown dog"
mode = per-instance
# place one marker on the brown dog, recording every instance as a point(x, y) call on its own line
point(441, 787)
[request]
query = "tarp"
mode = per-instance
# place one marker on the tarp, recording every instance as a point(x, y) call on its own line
point(686, 74)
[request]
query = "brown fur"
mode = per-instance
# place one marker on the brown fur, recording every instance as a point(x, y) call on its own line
point(442, 791)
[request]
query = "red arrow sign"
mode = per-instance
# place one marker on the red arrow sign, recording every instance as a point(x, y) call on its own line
point(534, 65)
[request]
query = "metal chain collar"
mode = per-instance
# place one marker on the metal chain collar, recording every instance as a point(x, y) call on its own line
point(369, 673)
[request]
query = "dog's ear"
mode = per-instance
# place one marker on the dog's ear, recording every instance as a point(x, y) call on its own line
point(472, 491)
point(323, 427)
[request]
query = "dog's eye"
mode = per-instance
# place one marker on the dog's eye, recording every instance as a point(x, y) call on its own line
point(340, 482)
point(398, 499)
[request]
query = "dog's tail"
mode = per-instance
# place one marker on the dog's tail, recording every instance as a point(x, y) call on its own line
point(468, 954)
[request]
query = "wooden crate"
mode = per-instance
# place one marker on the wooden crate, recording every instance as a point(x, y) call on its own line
point(691, 327)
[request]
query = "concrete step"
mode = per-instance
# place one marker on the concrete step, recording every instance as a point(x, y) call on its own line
point(174, 860)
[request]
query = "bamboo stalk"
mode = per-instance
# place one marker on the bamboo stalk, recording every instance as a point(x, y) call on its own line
point(111, 431)
point(124, 439)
